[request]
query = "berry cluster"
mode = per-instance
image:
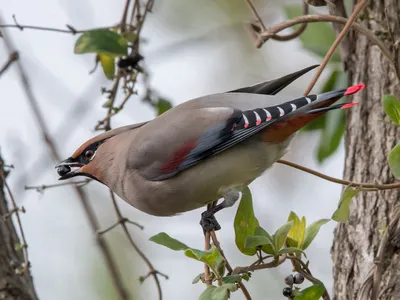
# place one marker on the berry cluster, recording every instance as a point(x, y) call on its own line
point(290, 281)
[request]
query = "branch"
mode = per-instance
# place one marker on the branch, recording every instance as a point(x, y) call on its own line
point(153, 272)
point(15, 210)
point(358, 8)
point(70, 29)
point(373, 186)
point(120, 221)
point(254, 267)
point(11, 58)
point(227, 264)
point(256, 15)
point(41, 188)
point(111, 265)
point(207, 246)
point(296, 33)
point(265, 36)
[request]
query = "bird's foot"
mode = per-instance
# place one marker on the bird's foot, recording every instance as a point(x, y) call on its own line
point(208, 221)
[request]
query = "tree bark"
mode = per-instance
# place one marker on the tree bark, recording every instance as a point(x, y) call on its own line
point(368, 144)
point(12, 285)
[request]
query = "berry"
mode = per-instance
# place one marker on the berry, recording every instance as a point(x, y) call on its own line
point(62, 170)
point(287, 292)
point(298, 278)
point(289, 280)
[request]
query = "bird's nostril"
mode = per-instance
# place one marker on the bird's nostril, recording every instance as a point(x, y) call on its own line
point(62, 170)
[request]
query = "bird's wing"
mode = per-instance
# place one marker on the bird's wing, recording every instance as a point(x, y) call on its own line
point(193, 131)
point(274, 86)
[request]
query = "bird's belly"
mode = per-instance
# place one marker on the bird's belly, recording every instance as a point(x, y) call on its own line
point(206, 181)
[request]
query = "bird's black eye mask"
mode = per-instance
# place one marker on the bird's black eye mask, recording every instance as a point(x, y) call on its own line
point(64, 167)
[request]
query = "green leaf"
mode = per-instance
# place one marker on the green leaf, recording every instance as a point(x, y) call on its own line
point(256, 240)
point(342, 213)
point(231, 278)
point(394, 161)
point(197, 278)
point(218, 293)
point(296, 233)
point(209, 257)
point(280, 235)
point(162, 106)
point(391, 106)
point(311, 232)
point(108, 65)
point(291, 250)
point(267, 248)
point(317, 38)
point(165, 240)
point(245, 222)
point(101, 41)
point(313, 292)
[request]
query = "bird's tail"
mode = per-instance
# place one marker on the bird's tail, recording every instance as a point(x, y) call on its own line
point(289, 117)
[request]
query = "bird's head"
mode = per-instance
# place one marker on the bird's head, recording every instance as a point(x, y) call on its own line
point(93, 157)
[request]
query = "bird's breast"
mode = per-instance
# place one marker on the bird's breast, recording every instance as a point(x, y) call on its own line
point(205, 182)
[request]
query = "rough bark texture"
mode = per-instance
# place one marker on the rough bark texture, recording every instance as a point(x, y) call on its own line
point(12, 286)
point(368, 143)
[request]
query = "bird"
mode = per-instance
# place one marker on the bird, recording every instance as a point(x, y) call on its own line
point(203, 150)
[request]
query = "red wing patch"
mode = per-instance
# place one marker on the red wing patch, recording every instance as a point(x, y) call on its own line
point(178, 157)
point(278, 132)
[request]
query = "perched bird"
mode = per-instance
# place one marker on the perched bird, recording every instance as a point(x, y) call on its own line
point(202, 150)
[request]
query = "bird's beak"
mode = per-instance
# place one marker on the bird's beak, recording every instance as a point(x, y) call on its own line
point(65, 171)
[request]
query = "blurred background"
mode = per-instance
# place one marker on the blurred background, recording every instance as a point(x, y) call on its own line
point(191, 48)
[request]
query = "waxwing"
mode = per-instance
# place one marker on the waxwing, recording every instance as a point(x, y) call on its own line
point(202, 150)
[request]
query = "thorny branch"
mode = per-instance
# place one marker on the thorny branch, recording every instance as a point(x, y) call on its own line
point(15, 210)
point(111, 265)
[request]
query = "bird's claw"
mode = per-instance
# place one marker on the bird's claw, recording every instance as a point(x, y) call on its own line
point(208, 221)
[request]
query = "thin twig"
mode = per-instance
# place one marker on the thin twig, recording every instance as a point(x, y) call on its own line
point(119, 222)
point(227, 264)
point(11, 58)
point(70, 29)
point(296, 33)
point(256, 15)
point(112, 113)
point(111, 265)
point(207, 246)
point(265, 36)
point(152, 270)
point(124, 15)
point(15, 210)
point(302, 268)
point(357, 9)
point(272, 264)
point(372, 186)
point(41, 188)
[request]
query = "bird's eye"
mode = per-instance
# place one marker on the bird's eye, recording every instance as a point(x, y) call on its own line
point(89, 154)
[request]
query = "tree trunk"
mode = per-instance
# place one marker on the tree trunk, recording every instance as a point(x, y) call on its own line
point(368, 143)
point(12, 286)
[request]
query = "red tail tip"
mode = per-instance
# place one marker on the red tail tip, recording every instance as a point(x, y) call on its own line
point(348, 105)
point(354, 89)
